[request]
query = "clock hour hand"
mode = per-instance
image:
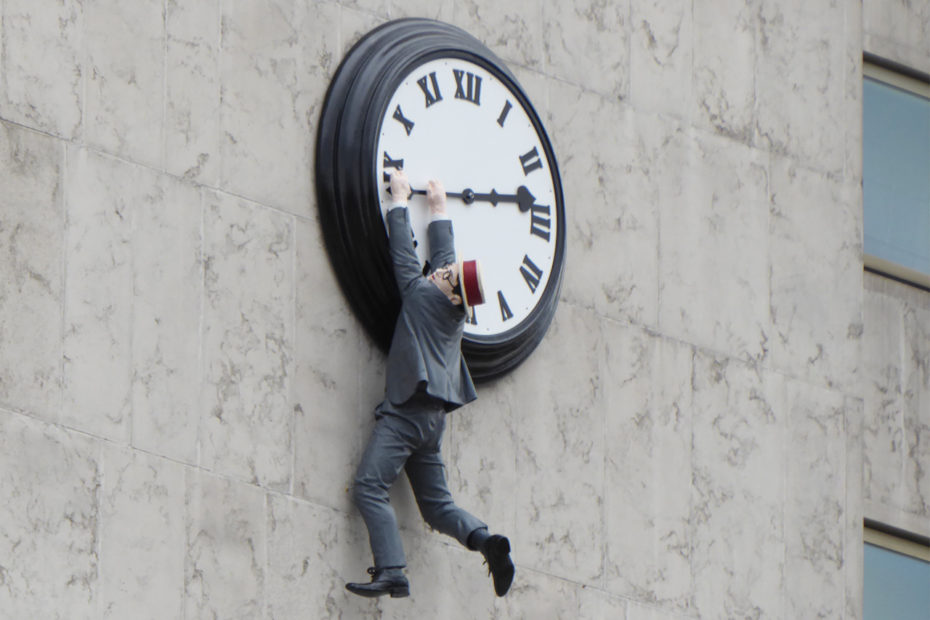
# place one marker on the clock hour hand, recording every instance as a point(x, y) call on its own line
point(523, 198)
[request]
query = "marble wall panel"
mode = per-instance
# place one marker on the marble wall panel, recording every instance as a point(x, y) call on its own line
point(537, 594)
point(815, 276)
point(738, 490)
point(815, 509)
point(723, 86)
point(898, 30)
point(193, 90)
point(378, 7)
point(648, 480)
point(916, 381)
point(334, 415)
point(853, 93)
point(642, 611)
point(561, 449)
point(511, 29)
point(275, 58)
point(49, 520)
point(248, 341)
point(713, 248)
point(801, 79)
point(142, 548)
point(594, 603)
point(884, 439)
point(587, 42)
point(101, 196)
point(353, 25)
point(125, 77)
point(31, 271)
point(661, 56)
point(480, 452)
point(166, 314)
point(41, 76)
point(226, 552)
point(854, 550)
point(611, 264)
point(312, 552)
point(443, 10)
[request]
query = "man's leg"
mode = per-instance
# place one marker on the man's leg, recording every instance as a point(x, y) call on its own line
point(427, 475)
point(391, 443)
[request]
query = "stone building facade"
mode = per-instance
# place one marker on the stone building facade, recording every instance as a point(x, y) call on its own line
point(721, 401)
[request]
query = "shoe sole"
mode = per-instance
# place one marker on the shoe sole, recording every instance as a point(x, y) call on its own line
point(397, 592)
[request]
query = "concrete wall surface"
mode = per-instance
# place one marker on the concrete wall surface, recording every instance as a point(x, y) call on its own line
point(184, 394)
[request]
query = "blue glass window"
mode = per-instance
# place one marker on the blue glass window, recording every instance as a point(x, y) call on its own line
point(896, 175)
point(896, 586)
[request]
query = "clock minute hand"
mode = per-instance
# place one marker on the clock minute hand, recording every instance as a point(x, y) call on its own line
point(523, 198)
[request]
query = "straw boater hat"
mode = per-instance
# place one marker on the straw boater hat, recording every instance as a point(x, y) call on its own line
point(471, 284)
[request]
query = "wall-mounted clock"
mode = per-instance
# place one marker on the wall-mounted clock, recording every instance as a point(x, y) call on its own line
point(430, 97)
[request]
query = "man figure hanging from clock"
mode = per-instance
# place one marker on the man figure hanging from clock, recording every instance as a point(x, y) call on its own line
point(426, 378)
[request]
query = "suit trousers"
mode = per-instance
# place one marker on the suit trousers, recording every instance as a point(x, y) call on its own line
point(408, 438)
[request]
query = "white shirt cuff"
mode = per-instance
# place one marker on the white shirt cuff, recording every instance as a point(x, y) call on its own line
point(439, 217)
point(396, 205)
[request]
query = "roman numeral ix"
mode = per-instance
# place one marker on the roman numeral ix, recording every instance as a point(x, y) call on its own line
point(391, 163)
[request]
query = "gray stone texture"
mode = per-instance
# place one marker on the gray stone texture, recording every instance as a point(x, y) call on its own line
point(184, 394)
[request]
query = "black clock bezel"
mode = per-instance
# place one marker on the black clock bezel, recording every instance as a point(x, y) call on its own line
point(348, 190)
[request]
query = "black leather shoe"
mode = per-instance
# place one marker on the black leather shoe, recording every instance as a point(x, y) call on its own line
point(496, 551)
point(389, 580)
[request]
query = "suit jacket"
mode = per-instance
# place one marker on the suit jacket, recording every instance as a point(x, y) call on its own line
point(426, 349)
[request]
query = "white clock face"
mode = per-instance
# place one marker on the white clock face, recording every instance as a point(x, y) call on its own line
point(455, 121)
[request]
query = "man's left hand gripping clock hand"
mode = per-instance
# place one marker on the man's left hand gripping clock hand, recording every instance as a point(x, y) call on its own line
point(400, 187)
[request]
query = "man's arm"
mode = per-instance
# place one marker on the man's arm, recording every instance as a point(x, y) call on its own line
point(400, 235)
point(439, 231)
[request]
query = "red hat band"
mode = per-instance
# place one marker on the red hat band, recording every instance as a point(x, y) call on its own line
point(470, 274)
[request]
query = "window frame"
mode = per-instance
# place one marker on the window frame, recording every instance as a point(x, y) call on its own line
point(899, 544)
point(918, 83)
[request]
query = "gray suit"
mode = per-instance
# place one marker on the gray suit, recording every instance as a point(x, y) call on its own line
point(426, 377)
point(426, 349)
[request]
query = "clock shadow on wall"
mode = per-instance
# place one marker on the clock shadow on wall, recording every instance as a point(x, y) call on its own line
point(429, 97)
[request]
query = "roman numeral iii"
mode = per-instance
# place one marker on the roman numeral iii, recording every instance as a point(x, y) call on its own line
point(540, 221)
